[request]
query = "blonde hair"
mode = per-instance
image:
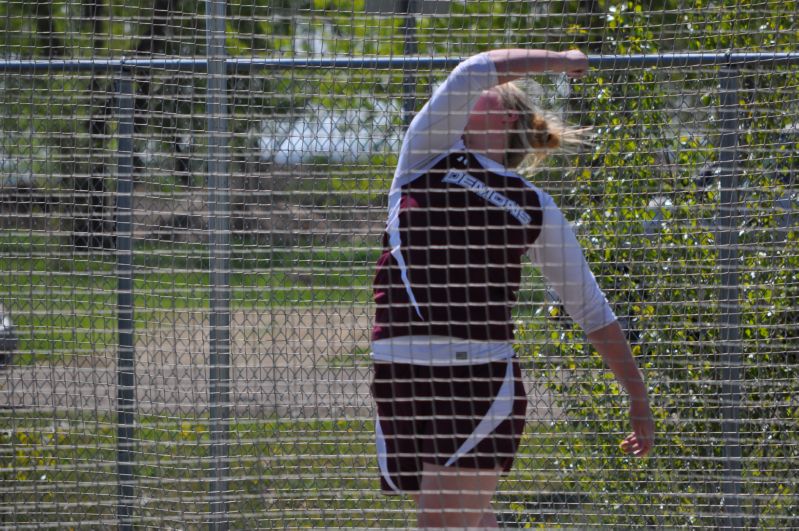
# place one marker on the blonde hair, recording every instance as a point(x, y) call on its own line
point(536, 134)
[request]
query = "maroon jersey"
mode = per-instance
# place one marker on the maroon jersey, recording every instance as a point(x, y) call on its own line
point(462, 231)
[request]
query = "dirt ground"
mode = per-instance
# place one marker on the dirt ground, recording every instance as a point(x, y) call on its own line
point(305, 361)
point(285, 337)
point(291, 362)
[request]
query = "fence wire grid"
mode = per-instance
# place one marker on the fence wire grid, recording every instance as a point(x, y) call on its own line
point(192, 197)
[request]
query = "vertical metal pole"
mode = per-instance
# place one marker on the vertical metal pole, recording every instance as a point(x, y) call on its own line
point(219, 246)
point(731, 358)
point(126, 384)
point(408, 8)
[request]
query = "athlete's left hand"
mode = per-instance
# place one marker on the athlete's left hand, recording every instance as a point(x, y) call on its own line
point(575, 63)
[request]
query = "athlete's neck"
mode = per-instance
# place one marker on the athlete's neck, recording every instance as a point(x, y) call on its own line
point(490, 146)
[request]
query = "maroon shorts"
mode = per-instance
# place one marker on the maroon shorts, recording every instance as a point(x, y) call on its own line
point(469, 416)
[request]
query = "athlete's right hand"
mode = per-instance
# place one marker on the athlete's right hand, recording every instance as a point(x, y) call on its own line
point(575, 63)
point(642, 439)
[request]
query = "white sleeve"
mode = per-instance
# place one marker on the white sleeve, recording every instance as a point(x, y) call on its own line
point(560, 257)
point(440, 123)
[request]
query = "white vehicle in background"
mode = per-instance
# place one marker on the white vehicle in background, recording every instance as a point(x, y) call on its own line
point(8, 338)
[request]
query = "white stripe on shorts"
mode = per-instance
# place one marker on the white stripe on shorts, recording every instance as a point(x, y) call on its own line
point(500, 409)
point(382, 455)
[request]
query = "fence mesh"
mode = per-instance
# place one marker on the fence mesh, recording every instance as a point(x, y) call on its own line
point(686, 204)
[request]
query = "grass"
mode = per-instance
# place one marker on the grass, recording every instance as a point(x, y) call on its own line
point(283, 473)
point(358, 357)
point(64, 467)
point(66, 305)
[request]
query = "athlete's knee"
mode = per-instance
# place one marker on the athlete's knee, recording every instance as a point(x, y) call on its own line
point(455, 497)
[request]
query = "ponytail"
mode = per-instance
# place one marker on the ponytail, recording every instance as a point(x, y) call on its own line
point(537, 134)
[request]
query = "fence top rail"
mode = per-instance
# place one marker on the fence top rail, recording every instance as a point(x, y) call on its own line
point(666, 60)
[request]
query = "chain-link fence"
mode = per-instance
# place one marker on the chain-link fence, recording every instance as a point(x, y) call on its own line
point(192, 204)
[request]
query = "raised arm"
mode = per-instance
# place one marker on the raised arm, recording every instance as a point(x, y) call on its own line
point(442, 120)
point(440, 123)
point(513, 63)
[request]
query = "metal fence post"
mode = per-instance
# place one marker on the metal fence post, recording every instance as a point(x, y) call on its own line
point(126, 378)
point(730, 359)
point(219, 246)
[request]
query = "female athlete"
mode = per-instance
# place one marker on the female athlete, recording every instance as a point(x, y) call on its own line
point(447, 385)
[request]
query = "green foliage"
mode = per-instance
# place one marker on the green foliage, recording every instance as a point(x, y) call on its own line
point(652, 228)
point(30, 455)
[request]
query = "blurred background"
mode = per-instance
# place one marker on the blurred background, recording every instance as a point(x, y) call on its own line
point(192, 196)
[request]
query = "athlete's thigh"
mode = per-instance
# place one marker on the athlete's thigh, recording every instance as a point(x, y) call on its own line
point(457, 487)
point(459, 497)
